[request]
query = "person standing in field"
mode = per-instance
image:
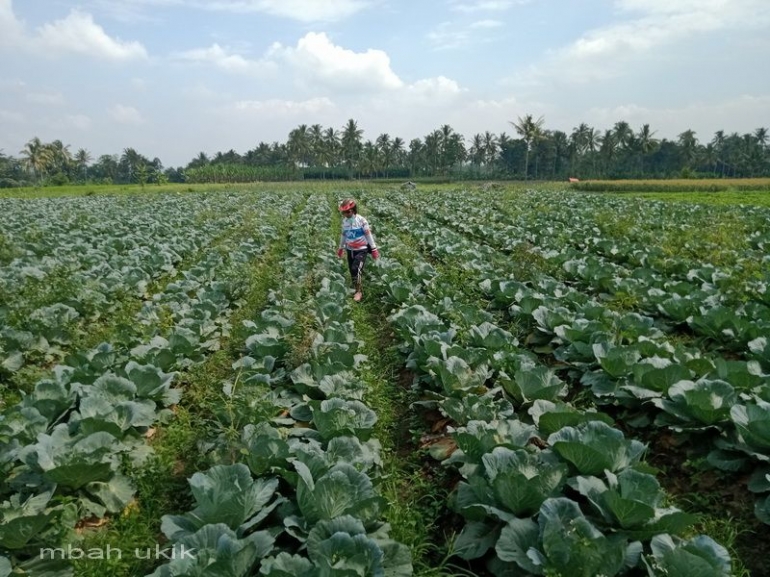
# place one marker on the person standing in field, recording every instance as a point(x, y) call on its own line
point(357, 241)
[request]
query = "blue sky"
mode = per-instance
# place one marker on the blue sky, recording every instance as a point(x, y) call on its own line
point(172, 78)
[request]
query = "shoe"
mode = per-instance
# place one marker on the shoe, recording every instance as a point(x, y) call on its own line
point(357, 297)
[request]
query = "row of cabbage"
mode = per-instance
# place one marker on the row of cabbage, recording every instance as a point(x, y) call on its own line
point(66, 447)
point(294, 495)
point(72, 262)
point(547, 488)
point(624, 358)
point(728, 304)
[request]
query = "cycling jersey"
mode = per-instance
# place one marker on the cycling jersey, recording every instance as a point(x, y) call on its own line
point(356, 234)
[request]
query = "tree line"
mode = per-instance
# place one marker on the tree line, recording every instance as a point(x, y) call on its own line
point(315, 152)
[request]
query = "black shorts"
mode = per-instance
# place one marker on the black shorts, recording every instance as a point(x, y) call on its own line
point(356, 261)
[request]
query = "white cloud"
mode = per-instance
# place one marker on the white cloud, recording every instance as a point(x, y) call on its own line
point(503, 104)
point(450, 35)
point(204, 94)
point(738, 114)
point(320, 64)
point(320, 61)
point(728, 11)
point(11, 29)
point(46, 98)
point(433, 90)
point(222, 58)
point(306, 11)
point(134, 11)
point(301, 10)
point(273, 107)
point(471, 6)
point(80, 34)
point(640, 35)
point(126, 114)
point(77, 33)
point(78, 121)
point(644, 30)
point(12, 84)
point(486, 24)
point(662, 22)
point(445, 36)
point(11, 116)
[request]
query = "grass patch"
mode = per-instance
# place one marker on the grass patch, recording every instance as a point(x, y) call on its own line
point(415, 487)
point(726, 198)
point(338, 187)
point(675, 185)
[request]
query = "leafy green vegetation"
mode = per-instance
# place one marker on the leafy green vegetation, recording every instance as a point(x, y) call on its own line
point(697, 186)
point(525, 363)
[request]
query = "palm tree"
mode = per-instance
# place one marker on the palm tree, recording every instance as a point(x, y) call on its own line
point(316, 144)
point(415, 156)
point(351, 143)
point(385, 150)
point(647, 144)
point(132, 161)
point(752, 153)
point(201, 160)
point(61, 157)
point(279, 155)
point(82, 158)
point(330, 148)
point(299, 145)
point(763, 160)
point(155, 170)
point(608, 148)
point(732, 153)
point(530, 130)
point(762, 138)
point(504, 144)
point(451, 147)
point(106, 168)
point(688, 146)
point(560, 149)
point(432, 152)
point(761, 135)
point(397, 148)
point(578, 144)
point(35, 157)
point(719, 148)
point(230, 157)
point(489, 148)
point(370, 159)
point(710, 157)
point(259, 156)
point(623, 133)
point(476, 151)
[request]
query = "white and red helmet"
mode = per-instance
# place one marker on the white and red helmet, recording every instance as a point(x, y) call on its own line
point(347, 204)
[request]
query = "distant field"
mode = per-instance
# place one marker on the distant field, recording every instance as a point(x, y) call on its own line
point(678, 185)
point(350, 186)
point(722, 198)
point(112, 189)
point(751, 192)
point(748, 191)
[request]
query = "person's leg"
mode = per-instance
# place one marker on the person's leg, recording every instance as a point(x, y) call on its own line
point(357, 271)
point(351, 268)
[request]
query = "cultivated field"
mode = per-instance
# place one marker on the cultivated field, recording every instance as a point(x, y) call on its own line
point(537, 382)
